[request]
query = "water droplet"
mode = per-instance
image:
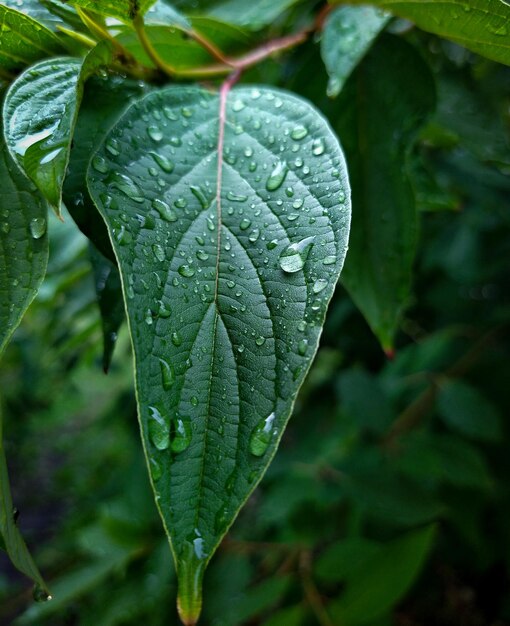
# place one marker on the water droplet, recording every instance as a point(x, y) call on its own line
point(164, 310)
point(303, 347)
point(318, 146)
point(293, 258)
point(194, 401)
point(159, 429)
point(167, 374)
point(319, 285)
point(176, 339)
point(165, 211)
point(113, 147)
point(40, 595)
point(236, 197)
point(165, 164)
point(299, 132)
point(202, 255)
point(155, 133)
point(37, 227)
point(238, 105)
point(271, 245)
point(329, 260)
point(180, 434)
point(277, 176)
point(181, 203)
point(99, 164)
point(159, 253)
point(254, 235)
point(155, 470)
point(123, 236)
point(127, 186)
point(262, 435)
point(200, 196)
point(248, 151)
point(221, 520)
point(186, 270)
point(260, 341)
point(245, 223)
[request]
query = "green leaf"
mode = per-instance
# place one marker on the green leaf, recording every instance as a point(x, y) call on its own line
point(23, 260)
point(381, 108)
point(348, 34)
point(124, 10)
point(39, 116)
point(480, 25)
point(164, 14)
point(385, 578)
point(109, 299)
point(466, 410)
point(230, 236)
point(23, 40)
point(345, 558)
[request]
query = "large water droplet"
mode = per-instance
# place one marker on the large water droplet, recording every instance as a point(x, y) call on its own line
point(127, 186)
point(245, 223)
point(319, 285)
point(159, 429)
point(165, 211)
point(262, 435)
point(40, 595)
point(37, 227)
point(277, 176)
point(318, 146)
point(155, 133)
point(236, 197)
point(99, 164)
point(200, 196)
point(293, 258)
point(165, 164)
point(180, 435)
point(167, 374)
point(159, 253)
point(186, 270)
point(299, 132)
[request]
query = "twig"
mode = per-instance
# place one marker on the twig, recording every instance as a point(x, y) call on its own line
point(311, 592)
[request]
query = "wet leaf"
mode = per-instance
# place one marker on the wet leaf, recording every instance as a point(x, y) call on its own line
point(348, 34)
point(480, 26)
point(40, 114)
point(379, 117)
point(125, 10)
point(230, 236)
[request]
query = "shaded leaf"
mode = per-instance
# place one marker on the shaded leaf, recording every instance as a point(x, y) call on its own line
point(480, 25)
point(109, 299)
point(23, 260)
point(23, 40)
point(39, 117)
point(381, 108)
point(384, 579)
point(124, 10)
point(345, 559)
point(467, 411)
point(228, 257)
point(348, 34)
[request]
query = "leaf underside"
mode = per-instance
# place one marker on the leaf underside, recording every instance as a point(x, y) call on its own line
point(230, 232)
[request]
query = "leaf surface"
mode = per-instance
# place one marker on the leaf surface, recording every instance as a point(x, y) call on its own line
point(23, 260)
point(348, 34)
point(23, 40)
point(39, 116)
point(382, 106)
point(482, 26)
point(229, 218)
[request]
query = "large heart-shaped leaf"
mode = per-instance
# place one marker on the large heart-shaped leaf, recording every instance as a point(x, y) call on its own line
point(23, 260)
point(229, 217)
point(39, 117)
point(480, 25)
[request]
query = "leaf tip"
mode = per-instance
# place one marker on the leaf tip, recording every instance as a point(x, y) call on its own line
point(189, 597)
point(389, 351)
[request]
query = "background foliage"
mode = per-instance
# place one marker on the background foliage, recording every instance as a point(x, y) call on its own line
point(388, 501)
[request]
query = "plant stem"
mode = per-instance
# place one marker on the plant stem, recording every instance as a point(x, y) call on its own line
point(311, 592)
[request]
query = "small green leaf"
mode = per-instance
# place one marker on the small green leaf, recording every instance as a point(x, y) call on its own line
point(23, 40)
point(229, 219)
point(480, 25)
point(348, 34)
point(384, 579)
point(39, 116)
point(23, 258)
point(381, 108)
point(466, 410)
point(109, 299)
